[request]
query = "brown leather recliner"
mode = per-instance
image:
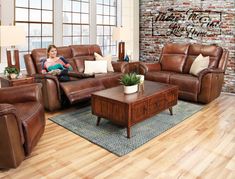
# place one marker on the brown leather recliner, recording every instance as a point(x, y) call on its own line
point(22, 122)
point(174, 66)
point(54, 92)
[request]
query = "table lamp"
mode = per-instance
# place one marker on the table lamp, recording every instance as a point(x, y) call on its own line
point(119, 34)
point(10, 36)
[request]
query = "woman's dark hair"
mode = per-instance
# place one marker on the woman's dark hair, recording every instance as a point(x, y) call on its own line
point(49, 48)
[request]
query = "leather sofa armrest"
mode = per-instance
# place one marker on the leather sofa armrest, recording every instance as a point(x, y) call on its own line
point(120, 67)
point(21, 94)
point(147, 67)
point(12, 138)
point(29, 64)
point(40, 77)
point(51, 91)
point(210, 84)
point(45, 76)
point(209, 70)
point(8, 109)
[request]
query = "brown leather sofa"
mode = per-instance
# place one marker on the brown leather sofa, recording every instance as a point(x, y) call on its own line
point(54, 92)
point(174, 66)
point(22, 122)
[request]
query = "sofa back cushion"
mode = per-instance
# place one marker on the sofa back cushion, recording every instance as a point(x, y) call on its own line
point(79, 61)
point(214, 52)
point(66, 52)
point(173, 57)
point(85, 50)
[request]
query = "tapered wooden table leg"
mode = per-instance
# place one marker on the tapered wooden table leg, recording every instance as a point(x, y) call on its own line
point(98, 120)
point(171, 110)
point(128, 132)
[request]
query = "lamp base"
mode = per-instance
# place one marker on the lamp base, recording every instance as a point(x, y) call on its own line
point(121, 51)
point(15, 54)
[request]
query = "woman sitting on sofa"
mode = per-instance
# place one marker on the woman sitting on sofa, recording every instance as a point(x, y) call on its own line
point(59, 66)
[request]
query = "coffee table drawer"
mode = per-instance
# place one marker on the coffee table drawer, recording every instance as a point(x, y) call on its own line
point(139, 111)
point(172, 97)
point(156, 104)
point(109, 110)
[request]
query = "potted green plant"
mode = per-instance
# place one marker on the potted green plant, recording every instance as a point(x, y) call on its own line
point(130, 82)
point(11, 72)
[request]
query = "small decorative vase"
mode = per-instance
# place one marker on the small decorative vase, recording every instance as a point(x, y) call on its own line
point(141, 84)
point(130, 89)
point(141, 78)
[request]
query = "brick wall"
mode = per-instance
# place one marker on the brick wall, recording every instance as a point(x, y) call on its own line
point(155, 30)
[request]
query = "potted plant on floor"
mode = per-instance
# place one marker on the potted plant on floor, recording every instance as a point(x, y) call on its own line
point(130, 82)
point(11, 72)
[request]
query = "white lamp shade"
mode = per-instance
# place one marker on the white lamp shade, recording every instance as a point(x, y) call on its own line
point(12, 36)
point(119, 34)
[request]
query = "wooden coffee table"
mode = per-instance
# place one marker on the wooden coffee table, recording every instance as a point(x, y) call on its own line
point(127, 110)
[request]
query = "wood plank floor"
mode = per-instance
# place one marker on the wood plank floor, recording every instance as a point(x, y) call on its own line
point(203, 146)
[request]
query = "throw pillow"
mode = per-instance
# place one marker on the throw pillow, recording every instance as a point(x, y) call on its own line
point(107, 58)
point(199, 64)
point(95, 66)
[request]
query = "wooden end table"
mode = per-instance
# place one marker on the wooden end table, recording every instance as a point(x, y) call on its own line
point(127, 110)
point(6, 82)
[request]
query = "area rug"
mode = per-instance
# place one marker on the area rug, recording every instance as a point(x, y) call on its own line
point(113, 138)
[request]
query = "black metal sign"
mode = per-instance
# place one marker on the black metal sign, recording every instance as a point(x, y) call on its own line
point(190, 23)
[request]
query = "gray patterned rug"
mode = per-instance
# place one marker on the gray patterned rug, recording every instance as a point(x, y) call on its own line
point(113, 138)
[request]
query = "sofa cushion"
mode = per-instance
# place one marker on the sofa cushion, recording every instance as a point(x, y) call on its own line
point(79, 62)
point(107, 58)
point(173, 57)
point(214, 52)
point(158, 76)
point(96, 66)
point(81, 89)
point(185, 82)
point(199, 64)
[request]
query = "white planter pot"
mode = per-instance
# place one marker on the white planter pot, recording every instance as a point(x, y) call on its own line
point(130, 89)
point(13, 76)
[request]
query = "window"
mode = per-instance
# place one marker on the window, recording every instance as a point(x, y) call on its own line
point(77, 25)
point(106, 19)
point(76, 22)
point(36, 17)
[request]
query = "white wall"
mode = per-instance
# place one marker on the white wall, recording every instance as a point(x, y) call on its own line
point(58, 27)
point(7, 18)
point(130, 20)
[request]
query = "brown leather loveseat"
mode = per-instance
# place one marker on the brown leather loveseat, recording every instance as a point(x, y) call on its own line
point(22, 122)
point(174, 66)
point(54, 91)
